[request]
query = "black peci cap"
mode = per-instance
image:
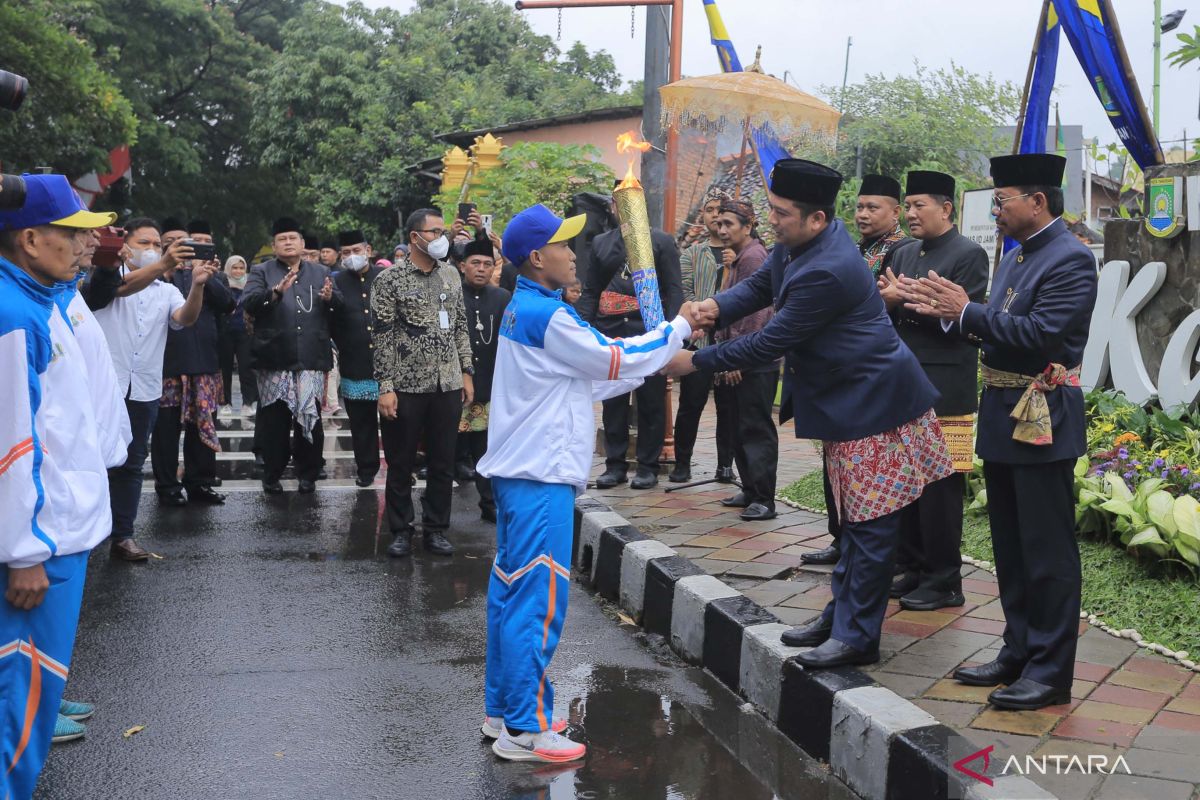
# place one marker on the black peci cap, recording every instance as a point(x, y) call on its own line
point(173, 224)
point(880, 186)
point(199, 226)
point(284, 225)
point(1028, 169)
point(806, 181)
point(922, 181)
point(348, 238)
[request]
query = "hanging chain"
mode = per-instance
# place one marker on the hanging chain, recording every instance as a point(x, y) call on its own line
point(559, 25)
point(632, 22)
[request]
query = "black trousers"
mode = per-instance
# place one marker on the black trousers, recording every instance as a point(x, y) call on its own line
point(931, 536)
point(1032, 511)
point(199, 460)
point(431, 418)
point(693, 396)
point(834, 522)
point(469, 448)
point(755, 437)
point(862, 579)
point(364, 435)
point(234, 346)
point(651, 425)
point(277, 435)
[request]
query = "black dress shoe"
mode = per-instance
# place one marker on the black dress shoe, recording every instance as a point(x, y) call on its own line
point(758, 511)
point(272, 487)
point(401, 546)
point(437, 543)
point(904, 583)
point(173, 497)
point(463, 473)
point(645, 479)
point(363, 481)
point(307, 487)
point(423, 473)
point(829, 555)
point(488, 514)
point(810, 635)
point(610, 478)
point(836, 654)
point(1028, 695)
point(992, 673)
point(724, 475)
point(737, 501)
point(681, 472)
point(215, 482)
point(256, 472)
point(931, 600)
point(205, 494)
point(322, 475)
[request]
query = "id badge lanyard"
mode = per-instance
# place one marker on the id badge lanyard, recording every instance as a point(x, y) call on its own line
point(443, 314)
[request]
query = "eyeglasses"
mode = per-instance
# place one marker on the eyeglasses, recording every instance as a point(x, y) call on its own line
point(998, 202)
point(435, 231)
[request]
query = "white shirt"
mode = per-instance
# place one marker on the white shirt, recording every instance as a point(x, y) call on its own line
point(551, 366)
point(136, 330)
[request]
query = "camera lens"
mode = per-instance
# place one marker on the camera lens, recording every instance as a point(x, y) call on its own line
point(12, 90)
point(12, 192)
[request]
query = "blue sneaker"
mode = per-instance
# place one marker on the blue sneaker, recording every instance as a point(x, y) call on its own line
point(66, 730)
point(76, 711)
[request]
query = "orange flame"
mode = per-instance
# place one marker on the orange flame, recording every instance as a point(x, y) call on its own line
point(626, 142)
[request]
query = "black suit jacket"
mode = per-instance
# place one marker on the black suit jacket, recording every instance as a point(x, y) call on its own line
point(950, 361)
point(352, 323)
point(291, 332)
point(194, 350)
point(608, 260)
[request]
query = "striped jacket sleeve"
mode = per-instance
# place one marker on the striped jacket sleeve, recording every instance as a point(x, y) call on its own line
point(582, 351)
point(22, 544)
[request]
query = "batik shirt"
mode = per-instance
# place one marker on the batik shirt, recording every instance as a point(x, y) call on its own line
point(421, 338)
point(877, 251)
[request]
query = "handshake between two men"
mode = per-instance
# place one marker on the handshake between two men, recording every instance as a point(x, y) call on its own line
point(701, 316)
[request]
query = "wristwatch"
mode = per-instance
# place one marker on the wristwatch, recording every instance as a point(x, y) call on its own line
point(469, 371)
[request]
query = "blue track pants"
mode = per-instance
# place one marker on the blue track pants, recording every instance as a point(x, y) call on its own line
point(35, 653)
point(527, 599)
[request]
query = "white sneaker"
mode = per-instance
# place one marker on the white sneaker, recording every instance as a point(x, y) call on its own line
point(494, 726)
point(248, 411)
point(225, 410)
point(549, 747)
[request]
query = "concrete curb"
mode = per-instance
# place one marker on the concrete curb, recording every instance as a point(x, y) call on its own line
point(881, 745)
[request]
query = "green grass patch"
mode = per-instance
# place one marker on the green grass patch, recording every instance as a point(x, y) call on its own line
point(1126, 593)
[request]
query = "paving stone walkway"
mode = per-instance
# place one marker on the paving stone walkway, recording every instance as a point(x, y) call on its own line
point(1125, 701)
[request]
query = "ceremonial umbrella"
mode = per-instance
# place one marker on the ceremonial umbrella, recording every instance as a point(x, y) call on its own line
point(753, 99)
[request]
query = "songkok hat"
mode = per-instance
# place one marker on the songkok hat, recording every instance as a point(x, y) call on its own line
point(50, 200)
point(311, 242)
point(173, 224)
point(329, 244)
point(880, 186)
point(284, 225)
point(199, 226)
point(479, 247)
point(805, 181)
point(1028, 169)
point(922, 181)
point(348, 238)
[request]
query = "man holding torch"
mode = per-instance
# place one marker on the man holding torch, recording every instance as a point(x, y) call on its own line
point(850, 382)
point(551, 366)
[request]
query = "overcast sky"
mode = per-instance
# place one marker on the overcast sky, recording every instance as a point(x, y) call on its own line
point(808, 39)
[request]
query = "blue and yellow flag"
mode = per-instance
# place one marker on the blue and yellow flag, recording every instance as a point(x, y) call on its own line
point(1090, 26)
point(766, 145)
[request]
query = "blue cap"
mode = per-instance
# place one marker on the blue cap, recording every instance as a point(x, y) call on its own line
point(50, 200)
point(536, 227)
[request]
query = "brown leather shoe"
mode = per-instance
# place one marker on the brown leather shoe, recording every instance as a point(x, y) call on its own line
point(128, 550)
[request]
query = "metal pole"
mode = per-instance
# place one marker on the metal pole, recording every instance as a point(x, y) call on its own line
point(1157, 57)
point(845, 75)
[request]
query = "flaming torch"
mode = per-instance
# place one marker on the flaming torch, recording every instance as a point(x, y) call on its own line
point(630, 200)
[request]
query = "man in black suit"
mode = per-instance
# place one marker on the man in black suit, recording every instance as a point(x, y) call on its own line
point(609, 303)
point(1032, 333)
point(929, 547)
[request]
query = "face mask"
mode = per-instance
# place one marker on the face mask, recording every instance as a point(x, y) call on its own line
point(144, 258)
point(237, 282)
point(355, 263)
point(439, 248)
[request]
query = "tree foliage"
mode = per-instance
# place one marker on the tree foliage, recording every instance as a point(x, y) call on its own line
point(357, 97)
point(1188, 50)
point(74, 113)
point(534, 172)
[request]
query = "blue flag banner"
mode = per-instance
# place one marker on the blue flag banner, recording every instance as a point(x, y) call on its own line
point(1045, 67)
point(1091, 28)
point(766, 145)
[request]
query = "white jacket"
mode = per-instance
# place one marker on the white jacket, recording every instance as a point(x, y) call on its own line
point(551, 366)
point(53, 477)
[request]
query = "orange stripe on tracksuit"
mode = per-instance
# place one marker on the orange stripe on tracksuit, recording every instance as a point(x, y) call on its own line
point(32, 673)
point(527, 604)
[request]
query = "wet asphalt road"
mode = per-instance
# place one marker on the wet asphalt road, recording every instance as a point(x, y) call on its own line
point(276, 652)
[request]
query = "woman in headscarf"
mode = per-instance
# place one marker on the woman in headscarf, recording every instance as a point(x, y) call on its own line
point(235, 342)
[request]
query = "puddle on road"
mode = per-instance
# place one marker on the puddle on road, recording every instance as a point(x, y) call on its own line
point(641, 744)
